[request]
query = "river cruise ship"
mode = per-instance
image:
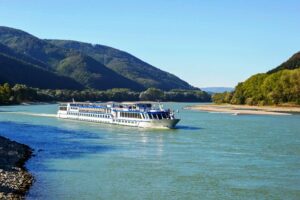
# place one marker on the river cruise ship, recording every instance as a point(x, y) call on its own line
point(144, 115)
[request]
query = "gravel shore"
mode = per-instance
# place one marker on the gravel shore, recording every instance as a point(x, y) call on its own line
point(14, 179)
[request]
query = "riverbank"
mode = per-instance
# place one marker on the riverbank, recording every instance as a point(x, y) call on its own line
point(14, 179)
point(246, 110)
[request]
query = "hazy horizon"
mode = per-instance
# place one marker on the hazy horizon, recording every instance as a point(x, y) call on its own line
point(208, 44)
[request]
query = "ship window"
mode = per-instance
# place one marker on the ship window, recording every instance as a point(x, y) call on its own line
point(164, 115)
point(154, 116)
point(150, 116)
point(159, 116)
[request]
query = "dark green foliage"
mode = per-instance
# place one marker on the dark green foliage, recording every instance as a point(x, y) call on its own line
point(262, 89)
point(5, 94)
point(93, 74)
point(152, 94)
point(127, 65)
point(93, 66)
point(67, 62)
point(16, 71)
point(279, 86)
point(249, 92)
point(184, 95)
point(224, 97)
point(21, 93)
point(292, 63)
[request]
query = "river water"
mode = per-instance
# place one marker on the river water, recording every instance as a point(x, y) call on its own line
point(209, 156)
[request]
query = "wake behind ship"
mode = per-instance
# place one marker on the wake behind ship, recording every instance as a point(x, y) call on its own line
point(144, 115)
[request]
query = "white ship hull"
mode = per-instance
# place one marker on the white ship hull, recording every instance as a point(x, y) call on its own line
point(163, 123)
point(137, 115)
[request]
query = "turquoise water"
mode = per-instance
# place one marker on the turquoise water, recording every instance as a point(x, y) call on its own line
point(209, 156)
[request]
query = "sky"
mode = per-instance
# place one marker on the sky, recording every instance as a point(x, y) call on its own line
point(205, 42)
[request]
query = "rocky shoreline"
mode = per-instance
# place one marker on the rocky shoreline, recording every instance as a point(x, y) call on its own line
point(14, 179)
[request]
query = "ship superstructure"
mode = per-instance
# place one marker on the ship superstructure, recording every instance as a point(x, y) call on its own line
point(144, 115)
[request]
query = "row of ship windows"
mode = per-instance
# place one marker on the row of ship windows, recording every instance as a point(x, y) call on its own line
point(130, 115)
point(89, 115)
point(145, 115)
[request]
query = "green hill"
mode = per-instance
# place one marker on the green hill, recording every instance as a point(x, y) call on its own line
point(291, 63)
point(126, 65)
point(15, 71)
point(66, 62)
point(93, 74)
point(281, 85)
point(93, 66)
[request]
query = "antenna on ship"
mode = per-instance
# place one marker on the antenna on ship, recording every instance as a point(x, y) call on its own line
point(73, 100)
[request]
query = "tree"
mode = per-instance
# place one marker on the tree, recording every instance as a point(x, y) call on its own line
point(152, 94)
point(5, 94)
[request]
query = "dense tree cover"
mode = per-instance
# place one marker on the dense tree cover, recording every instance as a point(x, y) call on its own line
point(265, 89)
point(153, 94)
point(86, 65)
point(292, 63)
point(14, 71)
point(21, 93)
point(126, 65)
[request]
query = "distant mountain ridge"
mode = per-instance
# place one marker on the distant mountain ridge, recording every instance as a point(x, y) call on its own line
point(217, 89)
point(126, 65)
point(85, 65)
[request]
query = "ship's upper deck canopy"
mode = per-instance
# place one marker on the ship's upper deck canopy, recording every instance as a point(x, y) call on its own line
point(141, 106)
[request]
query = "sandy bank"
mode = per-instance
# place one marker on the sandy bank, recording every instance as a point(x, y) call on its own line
point(14, 179)
point(246, 110)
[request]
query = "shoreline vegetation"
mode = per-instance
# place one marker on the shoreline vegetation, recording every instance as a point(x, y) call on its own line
point(19, 93)
point(276, 92)
point(15, 180)
point(246, 109)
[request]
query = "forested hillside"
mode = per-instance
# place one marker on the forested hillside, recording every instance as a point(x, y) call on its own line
point(126, 65)
point(90, 66)
point(279, 86)
point(15, 71)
